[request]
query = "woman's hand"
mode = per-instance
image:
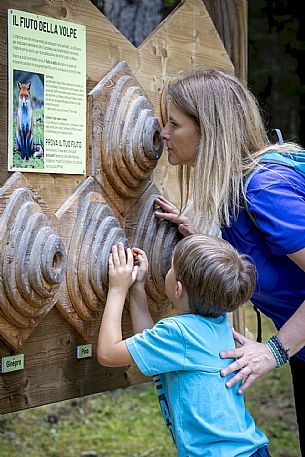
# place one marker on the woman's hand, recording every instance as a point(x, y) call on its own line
point(254, 360)
point(172, 214)
point(122, 271)
point(140, 260)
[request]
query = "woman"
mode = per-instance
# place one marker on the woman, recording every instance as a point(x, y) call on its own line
point(215, 129)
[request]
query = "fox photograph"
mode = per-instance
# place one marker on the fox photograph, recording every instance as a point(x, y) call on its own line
point(28, 120)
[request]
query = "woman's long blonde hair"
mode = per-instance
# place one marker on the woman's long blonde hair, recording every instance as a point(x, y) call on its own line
point(233, 137)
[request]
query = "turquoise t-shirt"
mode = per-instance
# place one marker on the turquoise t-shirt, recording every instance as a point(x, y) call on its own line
point(203, 416)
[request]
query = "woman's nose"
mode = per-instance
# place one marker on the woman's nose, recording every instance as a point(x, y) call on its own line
point(165, 134)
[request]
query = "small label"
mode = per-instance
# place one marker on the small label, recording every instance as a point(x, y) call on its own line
point(84, 351)
point(12, 363)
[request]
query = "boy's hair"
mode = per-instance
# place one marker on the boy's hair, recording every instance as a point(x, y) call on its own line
point(215, 276)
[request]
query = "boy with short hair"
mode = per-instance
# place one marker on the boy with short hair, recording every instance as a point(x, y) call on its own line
point(207, 279)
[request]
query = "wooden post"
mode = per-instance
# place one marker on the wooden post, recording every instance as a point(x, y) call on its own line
point(230, 19)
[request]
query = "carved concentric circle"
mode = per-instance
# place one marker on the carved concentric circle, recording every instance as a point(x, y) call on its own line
point(131, 143)
point(157, 238)
point(95, 231)
point(32, 262)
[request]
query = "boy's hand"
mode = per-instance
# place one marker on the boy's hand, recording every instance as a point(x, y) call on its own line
point(139, 311)
point(141, 262)
point(122, 271)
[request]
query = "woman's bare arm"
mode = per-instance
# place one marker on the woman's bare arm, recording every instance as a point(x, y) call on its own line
point(254, 360)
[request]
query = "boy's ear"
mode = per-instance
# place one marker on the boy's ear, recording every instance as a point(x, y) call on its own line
point(179, 290)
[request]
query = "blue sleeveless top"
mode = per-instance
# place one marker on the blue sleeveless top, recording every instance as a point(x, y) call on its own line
point(276, 197)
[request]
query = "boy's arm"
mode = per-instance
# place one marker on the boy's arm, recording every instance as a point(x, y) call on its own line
point(139, 311)
point(111, 349)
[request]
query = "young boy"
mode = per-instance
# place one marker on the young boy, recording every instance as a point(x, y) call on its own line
point(207, 279)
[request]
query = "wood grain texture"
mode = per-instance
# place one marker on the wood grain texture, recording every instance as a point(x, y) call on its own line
point(158, 239)
point(88, 214)
point(53, 373)
point(89, 228)
point(125, 140)
point(32, 260)
point(164, 53)
point(230, 19)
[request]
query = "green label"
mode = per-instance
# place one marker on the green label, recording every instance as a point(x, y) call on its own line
point(84, 351)
point(12, 363)
point(47, 65)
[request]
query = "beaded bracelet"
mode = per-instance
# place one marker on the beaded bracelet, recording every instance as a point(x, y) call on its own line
point(275, 353)
point(280, 353)
point(283, 351)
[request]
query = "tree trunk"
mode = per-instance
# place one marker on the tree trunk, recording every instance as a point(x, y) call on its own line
point(136, 19)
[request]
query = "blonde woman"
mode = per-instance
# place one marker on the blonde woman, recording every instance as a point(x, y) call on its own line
point(214, 128)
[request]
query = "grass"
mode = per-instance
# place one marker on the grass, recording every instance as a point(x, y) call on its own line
point(128, 423)
point(270, 400)
point(122, 423)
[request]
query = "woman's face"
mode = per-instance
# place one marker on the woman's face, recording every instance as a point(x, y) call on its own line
point(182, 137)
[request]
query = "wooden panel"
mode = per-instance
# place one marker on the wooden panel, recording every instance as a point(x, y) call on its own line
point(32, 260)
point(77, 205)
point(52, 372)
point(163, 53)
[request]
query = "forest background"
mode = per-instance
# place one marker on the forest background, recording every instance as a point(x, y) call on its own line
point(276, 51)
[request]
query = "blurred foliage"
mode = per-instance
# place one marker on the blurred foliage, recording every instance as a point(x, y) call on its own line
point(169, 3)
point(276, 63)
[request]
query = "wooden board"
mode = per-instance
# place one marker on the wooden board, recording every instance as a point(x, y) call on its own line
point(52, 371)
